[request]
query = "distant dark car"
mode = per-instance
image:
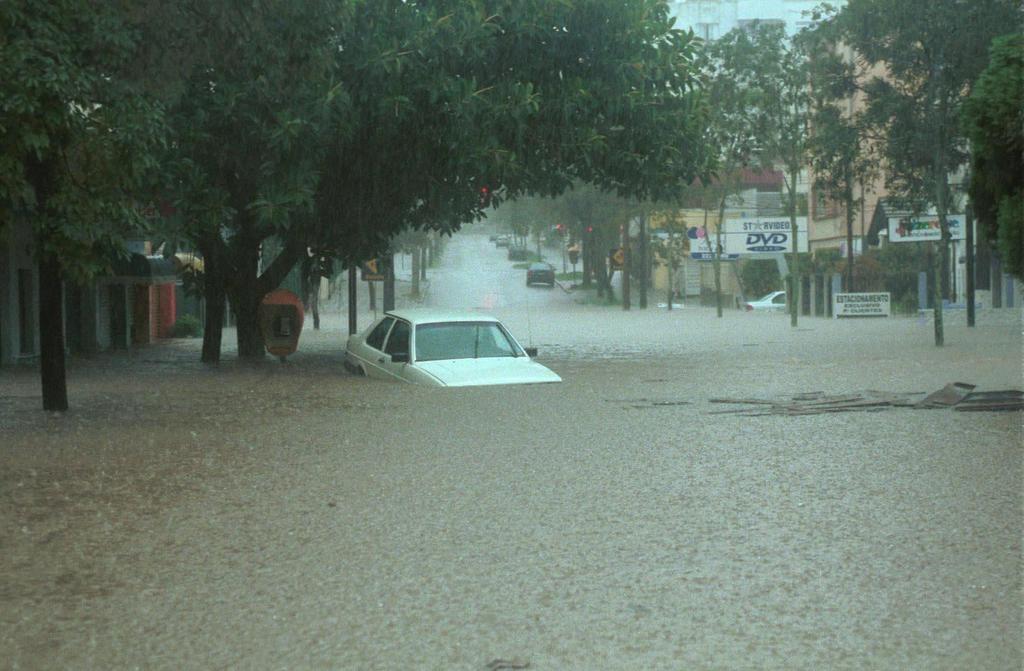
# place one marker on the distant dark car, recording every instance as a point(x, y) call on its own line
point(502, 241)
point(540, 273)
point(518, 254)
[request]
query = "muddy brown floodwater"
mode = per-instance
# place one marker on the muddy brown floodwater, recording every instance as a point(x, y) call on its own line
point(292, 516)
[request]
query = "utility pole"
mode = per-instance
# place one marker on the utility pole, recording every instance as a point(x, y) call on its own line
point(626, 263)
point(969, 234)
point(352, 297)
point(643, 262)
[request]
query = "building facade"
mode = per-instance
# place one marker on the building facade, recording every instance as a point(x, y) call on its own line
point(710, 19)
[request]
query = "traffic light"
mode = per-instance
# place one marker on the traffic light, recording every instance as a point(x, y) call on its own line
point(485, 196)
point(590, 229)
point(559, 228)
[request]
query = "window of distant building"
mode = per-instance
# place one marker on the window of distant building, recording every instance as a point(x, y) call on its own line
point(707, 31)
point(750, 24)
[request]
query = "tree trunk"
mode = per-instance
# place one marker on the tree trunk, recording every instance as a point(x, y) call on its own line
point(794, 270)
point(422, 251)
point(415, 272)
point(849, 236)
point(213, 330)
point(716, 253)
point(314, 300)
point(42, 175)
point(245, 295)
point(51, 332)
point(586, 249)
point(389, 285)
point(352, 299)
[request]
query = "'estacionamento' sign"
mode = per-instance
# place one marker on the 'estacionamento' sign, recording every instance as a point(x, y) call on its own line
point(861, 305)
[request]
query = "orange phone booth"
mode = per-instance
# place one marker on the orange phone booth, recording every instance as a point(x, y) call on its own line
point(280, 318)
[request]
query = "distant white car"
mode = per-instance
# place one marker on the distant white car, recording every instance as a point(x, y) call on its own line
point(442, 349)
point(773, 302)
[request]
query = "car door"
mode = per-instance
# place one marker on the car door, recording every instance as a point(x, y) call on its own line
point(371, 351)
point(779, 303)
point(398, 343)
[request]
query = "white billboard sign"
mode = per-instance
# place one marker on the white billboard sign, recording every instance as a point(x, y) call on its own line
point(924, 228)
point(861, 305)
point(751, 236)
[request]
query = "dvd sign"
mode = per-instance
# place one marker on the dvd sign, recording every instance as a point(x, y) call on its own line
point(764, 235)
point(767, 242)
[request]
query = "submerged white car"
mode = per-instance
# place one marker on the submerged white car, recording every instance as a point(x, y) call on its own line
point(772, 302)
point(442, 349)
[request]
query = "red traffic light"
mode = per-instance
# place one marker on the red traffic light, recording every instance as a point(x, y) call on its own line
point(590, 229)
point(558, 227)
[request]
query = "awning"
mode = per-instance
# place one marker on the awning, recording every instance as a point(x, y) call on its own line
point(142, 269)
point(886, 208)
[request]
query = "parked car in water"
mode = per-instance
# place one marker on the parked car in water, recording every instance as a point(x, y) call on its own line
point(772, 302)
point(502, 241)
point(540, 273)
point(443, 349)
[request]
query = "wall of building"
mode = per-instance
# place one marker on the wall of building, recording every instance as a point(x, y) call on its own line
point(18, 268)
point(711, 19)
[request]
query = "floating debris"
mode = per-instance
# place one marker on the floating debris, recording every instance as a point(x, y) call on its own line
point(958, 395)
point(497, 664)
point(948, 396)
point(993, 401)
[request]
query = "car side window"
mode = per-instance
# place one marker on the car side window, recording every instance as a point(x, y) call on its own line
point(398, 341)
point(377, 335)
point(780, 299)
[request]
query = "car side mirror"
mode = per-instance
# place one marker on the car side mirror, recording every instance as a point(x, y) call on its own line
point(530, 351)
point(400, 357)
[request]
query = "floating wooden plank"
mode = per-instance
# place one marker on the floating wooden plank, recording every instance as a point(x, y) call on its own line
point(948, 396)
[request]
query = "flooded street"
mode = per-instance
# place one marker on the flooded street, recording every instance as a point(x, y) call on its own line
point(294, 516)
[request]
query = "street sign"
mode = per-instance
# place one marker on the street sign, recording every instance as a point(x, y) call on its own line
point(617, 257)
point(374, 270)
point(862, 305)
point(574, 254)
point(709, 256)
point(925, 227)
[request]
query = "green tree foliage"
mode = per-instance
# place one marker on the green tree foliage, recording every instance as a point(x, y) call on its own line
point(994, 118)
point(932, 50)
point(770, 74)
point(840, 148)
point(260, 96)
point(79, 136)
point(337, 125)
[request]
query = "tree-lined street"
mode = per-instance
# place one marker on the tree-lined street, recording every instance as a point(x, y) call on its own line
point(293, 515)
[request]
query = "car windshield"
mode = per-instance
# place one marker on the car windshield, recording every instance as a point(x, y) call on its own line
point(767, 297)
point(463, 340)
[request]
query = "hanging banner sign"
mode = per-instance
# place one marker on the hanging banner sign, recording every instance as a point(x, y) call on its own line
point(861, 305)
point(764, 235)
point(925, 227)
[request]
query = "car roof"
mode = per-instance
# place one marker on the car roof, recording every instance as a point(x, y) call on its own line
point(428, 316)
point(540, 264)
